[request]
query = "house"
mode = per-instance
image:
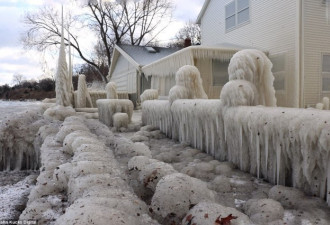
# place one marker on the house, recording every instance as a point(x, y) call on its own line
point(296, 35)
point(126, 67)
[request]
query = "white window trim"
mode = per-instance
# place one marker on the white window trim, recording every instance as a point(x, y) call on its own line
point(236, 16)
point(324, 74)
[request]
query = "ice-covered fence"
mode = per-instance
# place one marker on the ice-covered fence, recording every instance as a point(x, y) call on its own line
point(282, 145)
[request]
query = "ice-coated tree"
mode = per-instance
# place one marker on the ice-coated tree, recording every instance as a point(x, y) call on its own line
point(134, 22)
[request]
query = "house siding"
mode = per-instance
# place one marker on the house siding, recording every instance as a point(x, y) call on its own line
point(316, 42)
point(273, 27)
point(124, 76)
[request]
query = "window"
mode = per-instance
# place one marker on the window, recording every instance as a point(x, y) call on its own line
point(237, 12)
point(278, 71)
point(219, 72)
point(326, 72)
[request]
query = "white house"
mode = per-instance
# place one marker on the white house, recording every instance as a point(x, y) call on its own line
point(295, 33)
point(126, 67)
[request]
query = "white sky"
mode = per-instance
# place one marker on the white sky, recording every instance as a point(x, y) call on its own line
point(14, 59)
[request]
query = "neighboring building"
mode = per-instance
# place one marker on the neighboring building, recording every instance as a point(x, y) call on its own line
point(295, 33)
point(127, 61)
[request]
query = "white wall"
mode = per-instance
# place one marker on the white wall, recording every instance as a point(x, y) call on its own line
point(273, 27)
point(316, 42)
point(124, 76)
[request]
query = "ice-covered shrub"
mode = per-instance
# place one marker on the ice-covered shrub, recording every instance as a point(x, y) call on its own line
point(83, 97)
point(120, 120)
point(188, 84)
point(139, 162)
point(254, 66)
point(71, 137)
point(263, 211)
point(66, 130)
point(326, 102)
point(149, 94)
point(111, 89)
point(59, 112)
point(239, 93)
point(287, 196)
point(61, 176)
point(176, 193)
point(108, 107)
point(205, 213)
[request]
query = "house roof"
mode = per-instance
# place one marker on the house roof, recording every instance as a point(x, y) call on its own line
point(201, 13)
point(139, 56)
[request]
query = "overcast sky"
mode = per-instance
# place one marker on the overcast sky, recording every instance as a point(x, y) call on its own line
point(14, 59)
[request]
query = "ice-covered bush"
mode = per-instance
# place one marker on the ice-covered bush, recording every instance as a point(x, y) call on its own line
point(111, 89)
point(108, 107)
point(59, 112)
point(188, 84)
point(83, 97)
point(149, 94)
point(120, 120)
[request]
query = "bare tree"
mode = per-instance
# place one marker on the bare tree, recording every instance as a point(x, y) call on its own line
point(133, 22)
point(191, 31)
point(18, 78)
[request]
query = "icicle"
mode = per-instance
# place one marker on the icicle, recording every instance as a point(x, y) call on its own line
point(328, 181)
point(241, 146)
point(278, 163)
point(258, 155)
point(266, 151)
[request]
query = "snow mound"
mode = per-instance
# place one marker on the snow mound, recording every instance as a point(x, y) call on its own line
point(263, 211)
point(111, 89)
point(59, 112)
point(149, 94)
point(67, 129)
point(221, 184)
point(326, 103)
point(108, 107)
point(120, 120)
point(71, 137)
point(61, 175)
point(254, 66)
point(188, 84)
point(139, 162)
point(205, 213)
point(239, 93)
point(127, 148)
point(288, 197)
point(176, 193)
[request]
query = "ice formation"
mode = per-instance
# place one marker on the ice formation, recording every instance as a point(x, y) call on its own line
point(284, 146)
point(64, 95)
point(111, 89)
point(188, 85)
point(120, 120)
point(254, 66)
point(59, 112)
point(207, 213)
point(149, 94)
point(326, 102)
point(108, 107)
point(83, 97)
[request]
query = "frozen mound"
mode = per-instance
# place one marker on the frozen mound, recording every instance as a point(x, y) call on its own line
point(65, 130)
point(83, 168)
point(71, 137)
point(319, 106)
point(176, 193)
point(205, 213)
point(254, 66)
point(153, 172)
point(288, 197)
point(188, 85)
point(263, 211)
point(100, 130)
point(59, 112)
point(100, 215)
point(120, 120)
point(108, 107)
point(17, 135)
point(149, 94)
point(221, 184)
point(326, 103)
point(111, 89)
point(127, 148)
point(61, 176)
point(83, 99)
point(139, 162)
point(239, 93)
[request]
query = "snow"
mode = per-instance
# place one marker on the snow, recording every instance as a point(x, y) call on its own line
point(111, 89)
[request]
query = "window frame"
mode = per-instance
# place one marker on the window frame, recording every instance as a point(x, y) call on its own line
point(237, 25)
point(324, 74)
point(227, 74)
